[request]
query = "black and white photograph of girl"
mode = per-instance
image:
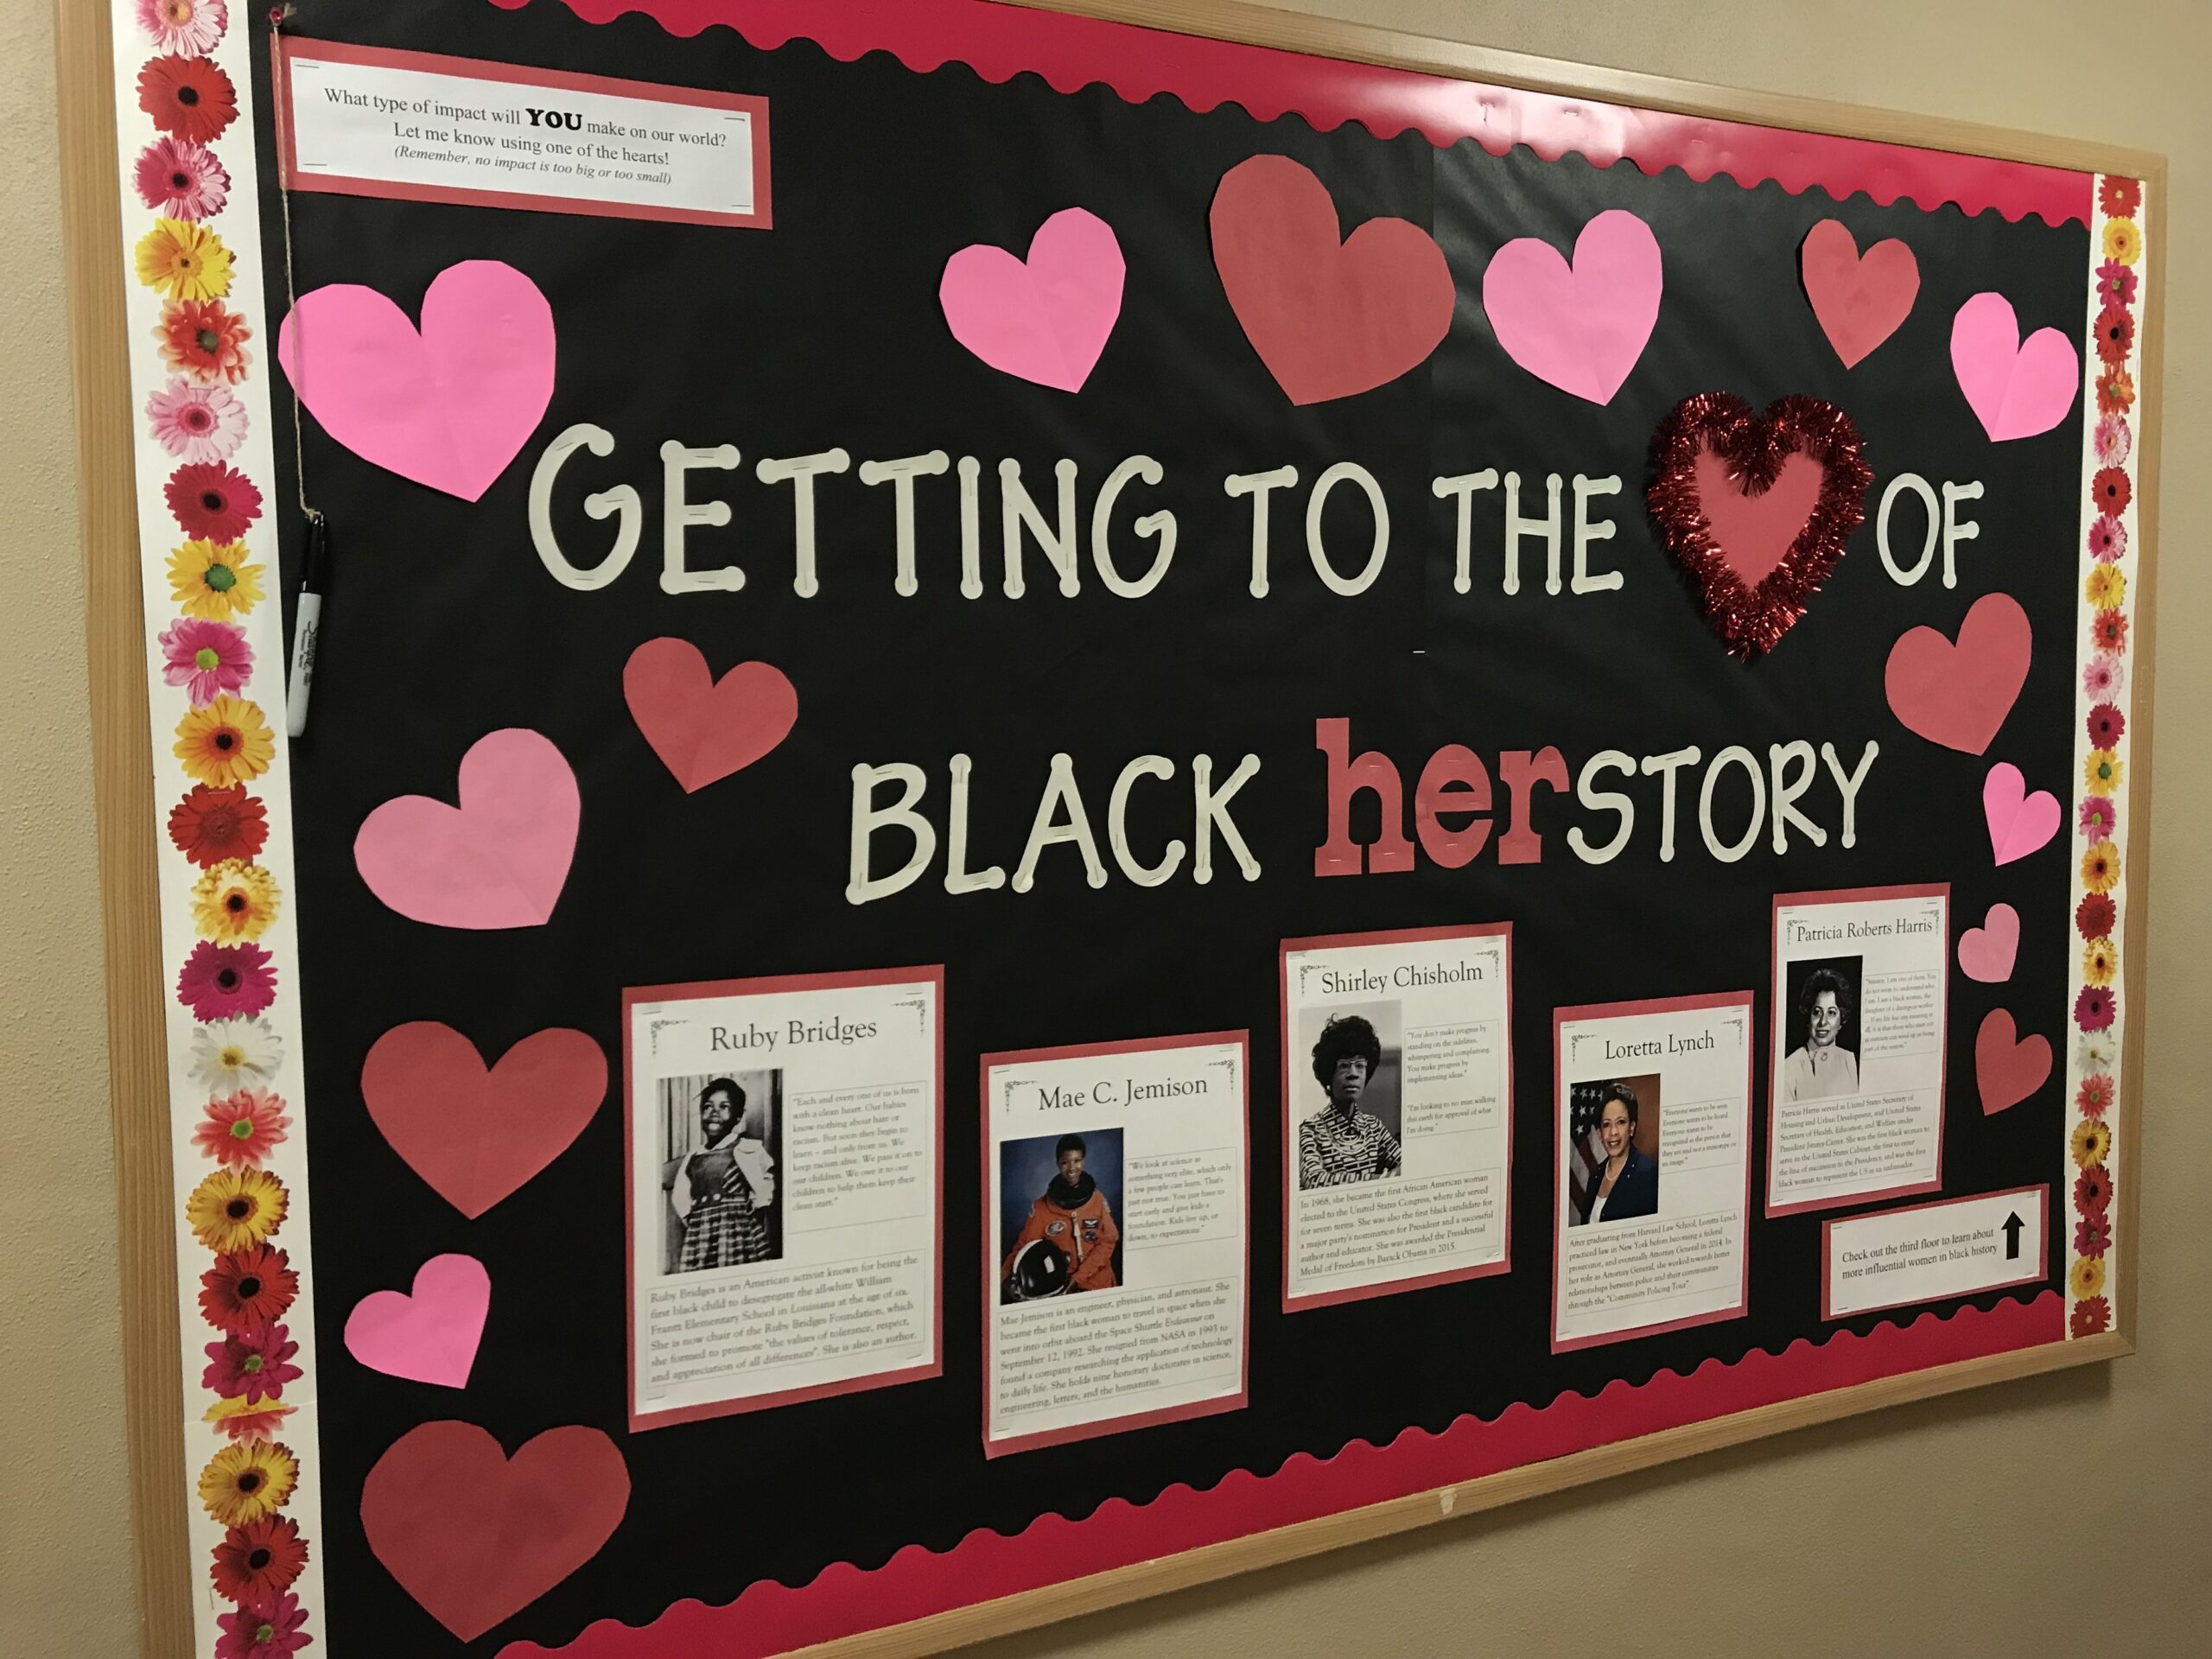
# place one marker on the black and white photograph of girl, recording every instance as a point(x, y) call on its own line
point(1822, 1059)
point(721, 1139)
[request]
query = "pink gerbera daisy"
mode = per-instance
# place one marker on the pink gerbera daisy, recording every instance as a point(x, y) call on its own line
point(2100, 818)
point(2102, 677)
point(264, 1629)
point(186, 29)
point(196, 423)
point(206, 658)
point(2108, 540)
point(2115, 283)
point(2113, 441)
point(219, 981)
point(181, 180)
point(241, 1127)
point(254, 1363)
point(2093, 1009)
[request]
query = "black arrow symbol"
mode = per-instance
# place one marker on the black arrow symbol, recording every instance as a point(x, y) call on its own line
point(2012, 1226)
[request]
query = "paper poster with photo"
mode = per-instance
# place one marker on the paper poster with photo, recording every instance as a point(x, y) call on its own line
point(1861, 991)
point(786, 1189)
point(1116, 1247)
point(1397, 1110)
point(1652, 1193)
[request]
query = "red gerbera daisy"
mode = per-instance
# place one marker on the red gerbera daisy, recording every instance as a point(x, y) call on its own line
point(2109, 630)
point(269, 1629)
point(205, 342)
point(259, 1560)
point(187, 98)
point(210, 825)
point(2115, 334)
point(248, 1288)
point(2107, 726)
point(2119, 198)
point(2095, 917)
point(2092, 1190)
point(2094, 1008)
point(220, 981)
point(255, 1364)
point(2111, 491)
point(2115, 392)
point(2091, 1235)
point(213, 502)
point(2091, 1317)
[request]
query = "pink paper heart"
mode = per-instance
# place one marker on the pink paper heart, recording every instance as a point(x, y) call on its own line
point(1959, 695)
point(1047, 318)
point(1860, 300)
point(2007, 1067)
point(2015, 390)
point(2018, 822)
point(704, 729)
point(448, 404)
point(1581, 328)
point(430, 1335)
point(1986, 953)
point(498, 860)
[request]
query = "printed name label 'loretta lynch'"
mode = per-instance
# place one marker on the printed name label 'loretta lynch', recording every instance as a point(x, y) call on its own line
point(785, 1190)
point(1397, 1110)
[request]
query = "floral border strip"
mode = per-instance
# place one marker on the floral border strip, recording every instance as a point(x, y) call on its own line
point(215, 668)
point(2109, 564)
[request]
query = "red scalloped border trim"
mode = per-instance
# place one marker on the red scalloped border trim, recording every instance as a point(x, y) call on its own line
point(770, 1618)
point(1000, 41)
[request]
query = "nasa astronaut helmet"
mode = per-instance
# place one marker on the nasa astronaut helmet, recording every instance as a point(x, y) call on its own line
point(1040, 1270)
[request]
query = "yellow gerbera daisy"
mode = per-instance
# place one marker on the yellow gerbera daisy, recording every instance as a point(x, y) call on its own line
point(235, 1209)
point(2087, 1277)
point(227, 743)
point(213, 580)
point(2102, 772)
point(2123, 242)
point(253, 1420)
point(2100, 962)
point(234, 900)
point(2092, 1140)
point(245, 1483)
point(2100, 868)
point(184, 260)
point(2106, 588)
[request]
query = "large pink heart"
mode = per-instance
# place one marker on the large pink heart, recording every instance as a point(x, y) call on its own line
point(1860, 299)
point(1583, 327)
point(475, 1133)
point(702, 729)
point(2015, 390)
point(2018, 822)
point(1046, 320)
point(449, 405)
point(430, 1335)
point(2007, 1067)
point(1958, 695)
point(498, 860)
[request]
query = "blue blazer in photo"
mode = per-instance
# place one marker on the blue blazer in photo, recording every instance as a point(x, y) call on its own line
point(1635, 1193)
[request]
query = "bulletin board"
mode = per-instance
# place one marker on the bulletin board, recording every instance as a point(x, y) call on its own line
point(917, 814)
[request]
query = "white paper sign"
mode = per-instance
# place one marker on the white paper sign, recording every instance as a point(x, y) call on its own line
point(1930, 1251)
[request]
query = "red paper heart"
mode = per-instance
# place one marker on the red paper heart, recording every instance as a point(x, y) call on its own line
point(476, 1135)
point(1330, 316)
point(1860, 299)
point(2007, 1067)
point(702, 729)
point(476, 1536)
point(1756, 508)
point(1959, 695)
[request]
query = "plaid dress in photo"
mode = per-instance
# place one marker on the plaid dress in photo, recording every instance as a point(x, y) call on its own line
point(723, 1229)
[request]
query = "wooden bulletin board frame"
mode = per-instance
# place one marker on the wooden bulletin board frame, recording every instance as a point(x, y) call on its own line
point(124, 791)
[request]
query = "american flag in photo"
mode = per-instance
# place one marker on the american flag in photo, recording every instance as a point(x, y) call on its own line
point(1585, 1157)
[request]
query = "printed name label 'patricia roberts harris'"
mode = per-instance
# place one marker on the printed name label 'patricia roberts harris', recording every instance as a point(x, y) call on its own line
point(1115, 1236)
point(1860, 986)
point(786, 1189)
point(1397, 1110)
point(1654, 1116)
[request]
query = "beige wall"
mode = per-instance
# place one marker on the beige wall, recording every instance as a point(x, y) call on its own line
point(2068, 1515)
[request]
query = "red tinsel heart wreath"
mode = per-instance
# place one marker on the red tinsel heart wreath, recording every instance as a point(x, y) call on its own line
point(1756, 508)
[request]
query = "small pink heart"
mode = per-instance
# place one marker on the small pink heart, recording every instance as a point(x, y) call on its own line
point(2018, 822)
point(2015, 389)
point(1986, 953)
point(498, 860)
point(447, 405)
point(430, 1335)
point(1047, 319)
point(1958, 695)
point(1860, 300)
point(2007, 1068)
point(702, 729)
point(1581, 328)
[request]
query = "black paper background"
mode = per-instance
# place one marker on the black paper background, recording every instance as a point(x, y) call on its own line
point(440, 625)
